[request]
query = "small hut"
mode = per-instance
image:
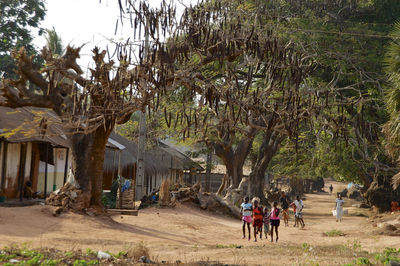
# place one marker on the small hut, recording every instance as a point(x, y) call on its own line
point(34, 148)
point(123, 162)
point(177, 162)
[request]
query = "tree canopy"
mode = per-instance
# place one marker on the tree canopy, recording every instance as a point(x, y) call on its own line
point(19, 18)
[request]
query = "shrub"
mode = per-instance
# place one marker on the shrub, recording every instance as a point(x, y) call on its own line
point(334, 233)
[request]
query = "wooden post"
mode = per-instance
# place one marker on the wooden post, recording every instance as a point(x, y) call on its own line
point(66, 166)
point(134, 183)
point(4, 167)
point(21, 172)
point(208, 170)
point(140, 158)
point(119, 163)
point(45, 170)
point(142, 135)
point(113, 166)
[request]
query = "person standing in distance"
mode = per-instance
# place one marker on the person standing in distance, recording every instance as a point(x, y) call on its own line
point(285, 208)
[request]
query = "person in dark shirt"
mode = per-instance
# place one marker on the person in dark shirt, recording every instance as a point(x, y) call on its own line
point(285, 208)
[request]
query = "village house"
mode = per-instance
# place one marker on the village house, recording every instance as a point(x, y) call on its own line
point(161, 162)
point(38, 153)
point(29, 152)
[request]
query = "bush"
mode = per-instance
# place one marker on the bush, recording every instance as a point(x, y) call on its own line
point(388, 255)
point(138, 251)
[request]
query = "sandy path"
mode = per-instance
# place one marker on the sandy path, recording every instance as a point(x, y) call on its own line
point(189, 234)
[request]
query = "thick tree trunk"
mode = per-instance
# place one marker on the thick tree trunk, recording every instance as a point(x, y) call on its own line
point(235, 157)
point(234, 170)
point(87, 165)
point(267, 150)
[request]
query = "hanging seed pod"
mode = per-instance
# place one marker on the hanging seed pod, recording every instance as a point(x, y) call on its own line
point(176, 120)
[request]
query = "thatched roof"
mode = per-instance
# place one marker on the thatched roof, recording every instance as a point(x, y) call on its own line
point(129, 157)
point(23, 125)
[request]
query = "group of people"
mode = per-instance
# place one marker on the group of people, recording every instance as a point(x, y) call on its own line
point(269, 220)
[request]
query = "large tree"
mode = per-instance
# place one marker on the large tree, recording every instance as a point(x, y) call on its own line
point(259, 89)
point(346, 38)
point(90, 107)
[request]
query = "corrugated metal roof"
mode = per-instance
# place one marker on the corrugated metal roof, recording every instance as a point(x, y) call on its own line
point(152, 164)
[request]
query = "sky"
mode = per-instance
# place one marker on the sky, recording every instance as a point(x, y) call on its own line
point(88, 22)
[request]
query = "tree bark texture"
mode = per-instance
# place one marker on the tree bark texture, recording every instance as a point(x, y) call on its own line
point(267, 150)
point(234, 157)
point(87, 164)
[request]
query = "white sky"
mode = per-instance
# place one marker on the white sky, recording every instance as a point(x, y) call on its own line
point(87, 21)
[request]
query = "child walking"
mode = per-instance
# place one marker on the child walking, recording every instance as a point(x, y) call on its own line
point(275, 221)
point(266, 220)
point(299, 211)
point(257, 220)
point(296, 220)
point(246, 209)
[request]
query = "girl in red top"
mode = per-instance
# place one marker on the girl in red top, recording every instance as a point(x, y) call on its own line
point(258, 215)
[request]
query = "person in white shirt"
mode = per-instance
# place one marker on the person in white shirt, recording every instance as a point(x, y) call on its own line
point(339, 208)
point(246, 208)
point(299, 211)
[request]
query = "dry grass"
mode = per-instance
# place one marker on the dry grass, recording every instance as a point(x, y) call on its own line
point(334, 233)
point(138, 251)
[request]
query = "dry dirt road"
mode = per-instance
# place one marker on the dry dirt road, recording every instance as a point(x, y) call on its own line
point(188, 234)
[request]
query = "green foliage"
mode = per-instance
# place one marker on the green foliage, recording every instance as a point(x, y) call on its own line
point(392, 61)
point(54, 42)
point(346, 40)
point(17, 18)
point(334, 232)
point(68, 254)
point(109, 199)
point(389, 254)
point(90, 252)
point(80, 263)
point(306, 247)
point(6, 257)
point(382, 258)
point(120, 254)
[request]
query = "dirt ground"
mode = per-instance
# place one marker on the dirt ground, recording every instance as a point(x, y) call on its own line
point(188, 234)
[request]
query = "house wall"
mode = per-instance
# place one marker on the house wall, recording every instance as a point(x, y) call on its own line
point(55, 173)
point(12, 168)
point(176, 175)
point(153, 182)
